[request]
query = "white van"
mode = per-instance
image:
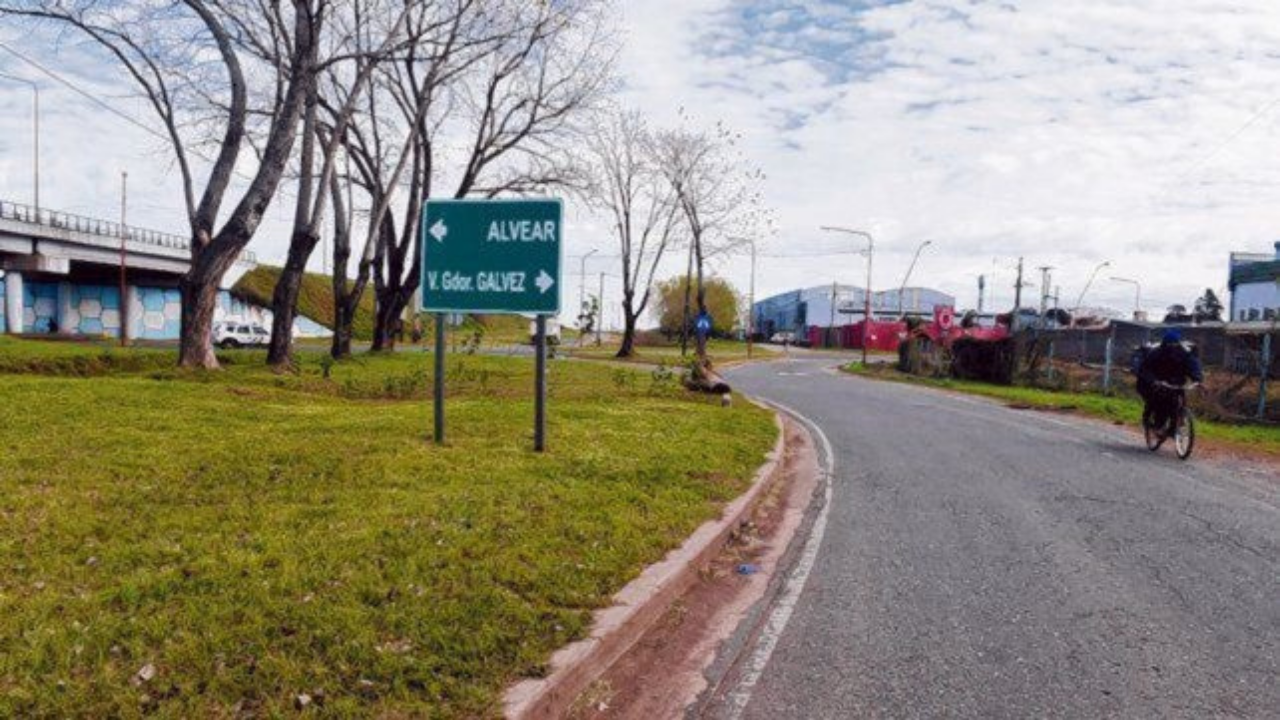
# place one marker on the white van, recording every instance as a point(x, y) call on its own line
point(234, 335)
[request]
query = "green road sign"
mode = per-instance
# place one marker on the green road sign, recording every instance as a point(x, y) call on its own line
point(491, 256)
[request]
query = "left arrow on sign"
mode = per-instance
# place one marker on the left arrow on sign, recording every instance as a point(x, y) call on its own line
point(544, 281)
point(439, 231)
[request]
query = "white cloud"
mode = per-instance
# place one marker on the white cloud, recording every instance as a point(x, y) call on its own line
point(1066, 132)
point(1140, 132)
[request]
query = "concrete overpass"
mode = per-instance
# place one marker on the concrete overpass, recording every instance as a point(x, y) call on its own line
point(62, 273)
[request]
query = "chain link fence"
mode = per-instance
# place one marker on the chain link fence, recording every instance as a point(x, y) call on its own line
point(1242, 364)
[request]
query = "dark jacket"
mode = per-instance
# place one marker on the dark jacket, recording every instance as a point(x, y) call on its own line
point(1172, 363)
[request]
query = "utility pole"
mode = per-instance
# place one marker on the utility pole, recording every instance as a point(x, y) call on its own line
point(124, 233)
point(871, 249)
point(1017, 299)
point(751, 302)
point(1046, 278)
point(831, 327)
point(982, 287)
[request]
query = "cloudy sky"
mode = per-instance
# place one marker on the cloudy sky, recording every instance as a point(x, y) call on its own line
point(1141, 132)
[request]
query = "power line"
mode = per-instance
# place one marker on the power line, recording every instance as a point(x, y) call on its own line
point(84, 93)
point(120, 113)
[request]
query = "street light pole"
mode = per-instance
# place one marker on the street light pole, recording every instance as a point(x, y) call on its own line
point(871, 248)
point(907, 277)
point(1080, 300)
point(600, 311)
point(1137, 298)
point(35, 121)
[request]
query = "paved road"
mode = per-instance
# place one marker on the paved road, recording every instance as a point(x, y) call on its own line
point(980, 561)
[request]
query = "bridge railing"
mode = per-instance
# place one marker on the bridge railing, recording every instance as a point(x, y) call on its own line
point(98, 226)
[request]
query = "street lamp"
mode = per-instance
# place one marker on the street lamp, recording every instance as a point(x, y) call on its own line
point(751, 292)
point(1080, 300)
point(906, 277)
point(600, 311)
point(871, 248)
point(35, 119)
point(1137, 298)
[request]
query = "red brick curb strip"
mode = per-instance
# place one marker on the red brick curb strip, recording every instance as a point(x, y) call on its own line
point(635, 607)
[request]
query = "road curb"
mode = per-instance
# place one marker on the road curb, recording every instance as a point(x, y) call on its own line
point(637, 605)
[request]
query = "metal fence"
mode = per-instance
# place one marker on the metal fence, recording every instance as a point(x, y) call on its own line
point(97, 226)
point(91, 226)
point(1247, 359)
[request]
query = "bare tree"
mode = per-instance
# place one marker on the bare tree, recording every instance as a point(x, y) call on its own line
point(628, 185)
point(181, 55)
point(351, 59)
point(717, 192)
point(383, 140)
point(492, 111)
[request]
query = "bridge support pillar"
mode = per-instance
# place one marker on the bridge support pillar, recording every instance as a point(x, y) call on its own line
point(64, 308)
point(130, 311)
point(13, 309)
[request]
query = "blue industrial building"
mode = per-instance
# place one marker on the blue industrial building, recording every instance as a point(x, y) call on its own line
point(826, 306)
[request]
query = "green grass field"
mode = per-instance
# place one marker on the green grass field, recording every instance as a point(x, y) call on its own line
point(1125, 410)
point(315, 297)
point(247, 537)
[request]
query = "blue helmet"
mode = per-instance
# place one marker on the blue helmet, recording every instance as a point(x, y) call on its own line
point(1172, 336)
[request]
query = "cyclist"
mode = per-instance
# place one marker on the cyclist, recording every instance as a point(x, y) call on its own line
point(1172, 363)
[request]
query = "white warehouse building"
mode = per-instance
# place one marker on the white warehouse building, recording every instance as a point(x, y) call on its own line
point(1254, 281)
point(798, 310)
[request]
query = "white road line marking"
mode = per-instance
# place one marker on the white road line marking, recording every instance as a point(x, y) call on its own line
point(778, 618)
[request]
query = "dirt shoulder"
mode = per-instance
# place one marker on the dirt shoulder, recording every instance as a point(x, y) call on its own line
point(693, 644)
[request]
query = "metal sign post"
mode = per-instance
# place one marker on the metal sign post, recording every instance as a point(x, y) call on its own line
point(540, 387)
point(492, 257)
point(438, 395)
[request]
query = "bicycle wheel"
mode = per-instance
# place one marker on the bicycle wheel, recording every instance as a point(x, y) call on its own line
point(1184, 438)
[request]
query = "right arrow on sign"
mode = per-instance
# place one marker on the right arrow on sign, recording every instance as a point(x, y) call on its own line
point(439, 231)
point(544, 281)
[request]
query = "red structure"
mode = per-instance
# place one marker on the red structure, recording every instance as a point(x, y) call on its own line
point(885, 336)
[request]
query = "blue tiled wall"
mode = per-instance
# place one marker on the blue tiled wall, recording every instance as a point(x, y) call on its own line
point(39, 305)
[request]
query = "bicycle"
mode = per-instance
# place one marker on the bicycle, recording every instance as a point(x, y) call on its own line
point(1181, 426)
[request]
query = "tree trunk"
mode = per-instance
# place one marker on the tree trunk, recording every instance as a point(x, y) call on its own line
point(343, 303)
point(199, 293)
point(212, 258)
point(284, 301)
point(341, 347)
point(627, 349)
point(343, 316)
point(703, 360)
point(684, 313)
point(387, 325)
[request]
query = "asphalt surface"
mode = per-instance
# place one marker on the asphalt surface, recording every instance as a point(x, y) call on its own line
point(980, 561)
